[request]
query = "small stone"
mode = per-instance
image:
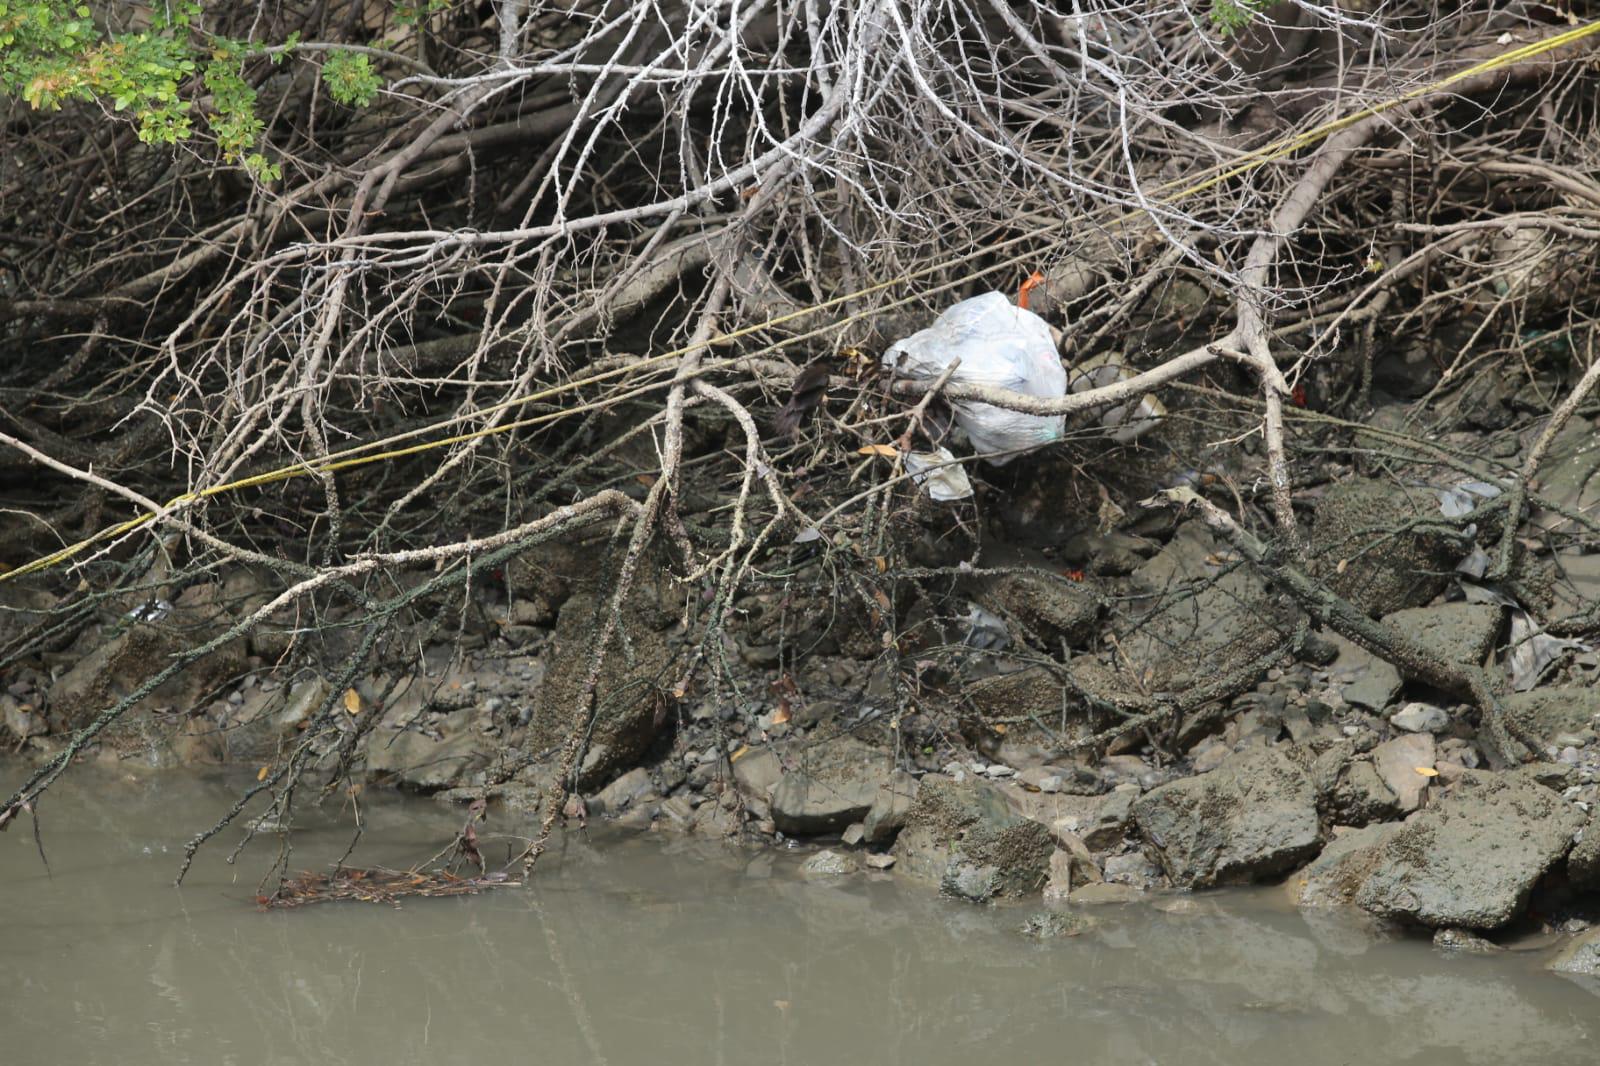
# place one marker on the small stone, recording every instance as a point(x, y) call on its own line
point(853, 834)
point(879, 861)
point(1420, 718)
point(1461, 942)
point(828, 864)
point(1053, 925)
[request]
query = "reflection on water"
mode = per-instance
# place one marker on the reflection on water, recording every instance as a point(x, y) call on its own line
point(668, 952)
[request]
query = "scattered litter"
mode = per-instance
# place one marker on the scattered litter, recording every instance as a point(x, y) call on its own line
point(1464, 497)
point(1533, 651)
point(150, 611)
point(985, 631)
point(940, 474)
point(1002, 346)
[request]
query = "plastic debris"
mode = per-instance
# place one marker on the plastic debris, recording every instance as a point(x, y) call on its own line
point(1127, 422)
point(986, 631)
point(1002, 346)
point(940, 474)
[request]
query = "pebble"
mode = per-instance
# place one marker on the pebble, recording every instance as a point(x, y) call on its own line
point(1420, 718)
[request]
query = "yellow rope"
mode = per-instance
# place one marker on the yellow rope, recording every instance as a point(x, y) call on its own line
point(1168, 193)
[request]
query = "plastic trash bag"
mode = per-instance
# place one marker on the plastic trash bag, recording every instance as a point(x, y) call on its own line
point(1002, 346)
point(940, 474)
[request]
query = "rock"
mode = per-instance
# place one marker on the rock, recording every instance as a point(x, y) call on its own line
point(1367, 681)
point(426, 760)
point(1336, 875)
point(878, 860)
point(1047, 605)
point(757, 772)
point(1473, 857)
point(853, 834)
point(1209, 756)
point(1102, 892)
point(1420, 718)
point(123, 663)
point(1358, 795)
point(1461, 942)
point(965, 839)
point(1111, 820)
point(1398, 762)
point(829, 865)
point(889, 806)
point(21, 719)
point(1198, 616)
point(1581, 957)
point(1583, 864)
point(835, 783)
point(1054, 925)
point(1132, 869)
point(716, 821)
point(1252, 817)
point(1358, 554)
point(625, 720)
point(1455, 632)
point(1070, 868)
point(621, 793)
point(1548, 712)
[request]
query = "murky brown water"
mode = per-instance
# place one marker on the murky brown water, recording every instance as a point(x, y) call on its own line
point(672, 953)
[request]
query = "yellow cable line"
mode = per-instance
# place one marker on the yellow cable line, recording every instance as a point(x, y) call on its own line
point(1167, 193)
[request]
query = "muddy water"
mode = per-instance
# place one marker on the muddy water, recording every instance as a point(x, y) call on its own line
point(672, 953)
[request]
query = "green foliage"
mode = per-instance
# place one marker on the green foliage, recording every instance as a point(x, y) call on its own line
point(1230, 16)
point(53, 53)
point(350, 79)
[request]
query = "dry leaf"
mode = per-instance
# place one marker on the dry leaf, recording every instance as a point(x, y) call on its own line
point(352, 701)
point(1426, 771)
point(262, 775)
point(744, 749)
point(881, 563)
point(888, 451)
point(781, 715)
point(1001, 728)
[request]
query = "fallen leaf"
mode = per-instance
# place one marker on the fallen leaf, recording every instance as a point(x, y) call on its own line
point(744, 749)
point(1001, 728)
point(780, 716)
point(888, 451)
point(352, 701)
point(881, 563)
point(1426, 771)
point(262, 775)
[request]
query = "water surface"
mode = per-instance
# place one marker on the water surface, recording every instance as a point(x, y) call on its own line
point(671, 952)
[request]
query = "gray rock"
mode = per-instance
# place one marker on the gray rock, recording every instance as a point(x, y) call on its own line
point(757, 772)
point(1133, 869)
point(1359, 796)
point(1549, 712)
point(834, 784)
point(1473, 857)
point(1054, 925)
point(1336, 875)
point(1111, 821)
point(1455, 632)
point(1583, 865)
point(427, 759)
point(1580, 960)
point(22, 720)
point(1420, 718)
point(828, 864)
point(1251, 817)
point(1461, 942)
point(878, 860)
point(625, 720)
point(1398, 762)
point(1047, 605)
point(1226, 617)
point(966, 839)
point(622, 792)
point(889, 807)
point(853, 834)
point(1357, 552)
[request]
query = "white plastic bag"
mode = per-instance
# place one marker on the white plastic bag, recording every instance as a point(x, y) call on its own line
point(940, 474)
point(1002, 346)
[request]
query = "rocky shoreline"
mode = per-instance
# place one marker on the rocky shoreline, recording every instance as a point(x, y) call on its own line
point(1032, 743)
